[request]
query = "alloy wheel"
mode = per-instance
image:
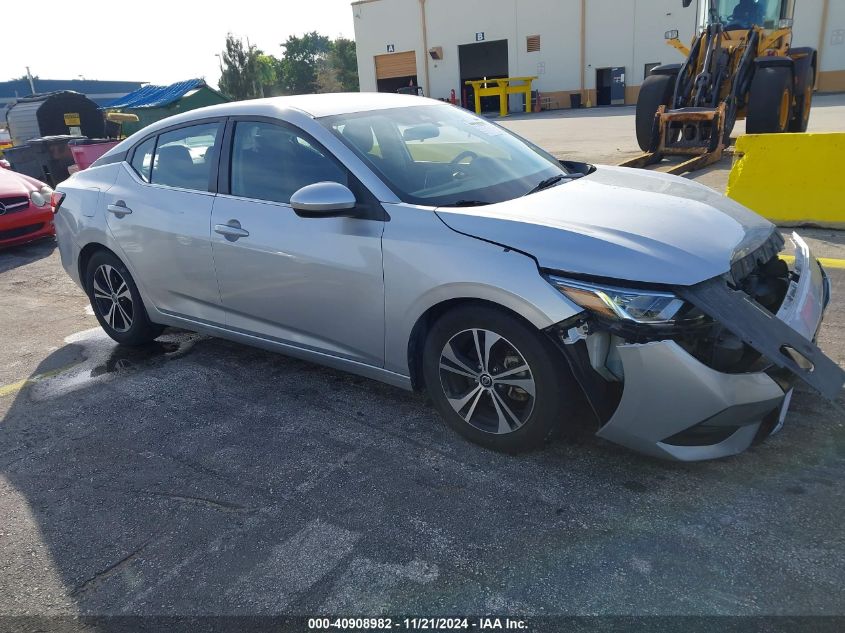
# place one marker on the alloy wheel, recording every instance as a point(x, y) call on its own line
point(112, 298)
point(487, 381)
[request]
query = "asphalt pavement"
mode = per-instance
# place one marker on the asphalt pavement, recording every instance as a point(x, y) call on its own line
point(199, 476)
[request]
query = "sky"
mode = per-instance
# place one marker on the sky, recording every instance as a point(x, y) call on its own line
point(154, 41)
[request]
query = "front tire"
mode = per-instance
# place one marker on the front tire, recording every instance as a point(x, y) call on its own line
point(116, 301)
point(770, 101)
point(657, 90)
point(496, 380)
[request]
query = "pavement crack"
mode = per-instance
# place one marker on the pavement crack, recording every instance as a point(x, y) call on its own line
point(224, 506)
point(221, 476)
point(101, 576)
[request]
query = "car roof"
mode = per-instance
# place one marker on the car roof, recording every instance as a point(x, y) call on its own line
point(312, 105)
point(328, 104)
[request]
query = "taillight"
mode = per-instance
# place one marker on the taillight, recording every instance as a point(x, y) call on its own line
point(56, 199)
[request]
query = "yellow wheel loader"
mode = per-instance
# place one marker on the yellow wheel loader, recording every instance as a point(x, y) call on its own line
point(739, 66)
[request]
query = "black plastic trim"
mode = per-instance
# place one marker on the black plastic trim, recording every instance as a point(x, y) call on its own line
point(671, 70)
point(110, 159)
point(760, 329)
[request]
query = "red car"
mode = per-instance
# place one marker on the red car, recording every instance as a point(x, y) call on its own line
point(26, 211)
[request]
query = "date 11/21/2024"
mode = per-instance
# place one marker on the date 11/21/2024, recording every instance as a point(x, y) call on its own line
point(417, 624)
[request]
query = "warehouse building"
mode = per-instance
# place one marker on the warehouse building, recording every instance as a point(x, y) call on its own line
point(599, 50)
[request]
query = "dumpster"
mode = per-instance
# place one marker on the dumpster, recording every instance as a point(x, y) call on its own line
point(56, 113)
point(86, 150)
point(46, 158)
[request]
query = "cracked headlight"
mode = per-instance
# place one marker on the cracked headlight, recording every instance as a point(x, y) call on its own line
point(640, 306)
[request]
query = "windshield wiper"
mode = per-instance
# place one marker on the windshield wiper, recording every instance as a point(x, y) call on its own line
point(548, 182)
point(466, 203)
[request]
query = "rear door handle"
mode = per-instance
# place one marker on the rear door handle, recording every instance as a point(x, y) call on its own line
point(119, 208)
point(231, 231)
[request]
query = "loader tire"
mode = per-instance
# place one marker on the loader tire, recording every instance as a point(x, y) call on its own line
point(803, 100)
point(656, 91)
point(770, 101)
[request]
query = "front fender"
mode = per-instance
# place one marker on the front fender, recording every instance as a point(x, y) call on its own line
point(426, 263)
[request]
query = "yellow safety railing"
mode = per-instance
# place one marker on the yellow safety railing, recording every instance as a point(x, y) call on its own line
point(502, 88)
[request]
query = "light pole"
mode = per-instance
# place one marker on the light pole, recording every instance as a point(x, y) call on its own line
point(31, 81)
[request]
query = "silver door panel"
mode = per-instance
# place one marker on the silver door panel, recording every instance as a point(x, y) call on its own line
point(165, 238)
point(315, 283)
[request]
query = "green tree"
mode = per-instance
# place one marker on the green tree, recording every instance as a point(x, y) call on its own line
point(338, 71)
point(343, 59)
point(266, 73)
point(300, 62)
point(241, 71)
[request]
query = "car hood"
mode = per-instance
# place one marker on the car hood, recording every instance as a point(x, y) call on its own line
point(15, 184)
point(621, 223)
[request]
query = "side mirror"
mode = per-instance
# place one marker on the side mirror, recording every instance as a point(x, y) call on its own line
point(671, 35)
point(323, 199)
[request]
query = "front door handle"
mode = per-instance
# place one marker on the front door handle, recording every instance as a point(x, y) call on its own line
point(231, 231)
point(119, 208)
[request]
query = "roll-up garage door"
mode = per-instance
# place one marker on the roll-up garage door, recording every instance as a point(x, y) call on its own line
point(396, 65)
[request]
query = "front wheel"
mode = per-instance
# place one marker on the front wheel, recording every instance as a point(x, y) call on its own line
point(656, 91)
point(769, 101)
point(116, 301)
point(496, 380)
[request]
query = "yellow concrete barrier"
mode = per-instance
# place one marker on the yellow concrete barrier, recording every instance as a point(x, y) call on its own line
point(791, 179)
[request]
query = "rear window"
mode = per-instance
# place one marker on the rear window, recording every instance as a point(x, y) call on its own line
point(142, 160)
point(183, 157)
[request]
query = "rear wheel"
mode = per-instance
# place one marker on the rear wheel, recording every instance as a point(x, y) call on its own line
point(656, 91)
point(770, 101)
point(116, 301)
point(496, 380)
point(804, 101)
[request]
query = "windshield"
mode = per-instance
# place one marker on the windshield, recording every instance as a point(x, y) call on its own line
point(438, 155)
point(747, 13)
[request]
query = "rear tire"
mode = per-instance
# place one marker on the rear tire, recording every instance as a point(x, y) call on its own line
point(116, 301)
point(657, 90)
point(770, 101)
point(804, 101)
point(471, 364)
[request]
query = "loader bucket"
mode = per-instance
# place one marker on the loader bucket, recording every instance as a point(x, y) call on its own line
point(694, 132)
point(690, 131)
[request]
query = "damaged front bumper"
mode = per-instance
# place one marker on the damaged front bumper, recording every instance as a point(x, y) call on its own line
point(674, 406)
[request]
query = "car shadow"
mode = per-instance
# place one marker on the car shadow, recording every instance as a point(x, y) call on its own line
point(199, 477)
point(14, 256)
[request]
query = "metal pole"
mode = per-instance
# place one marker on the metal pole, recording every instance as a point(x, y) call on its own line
point(822, 42)
point(584, 97)
point(31, 81)
point(425, 48)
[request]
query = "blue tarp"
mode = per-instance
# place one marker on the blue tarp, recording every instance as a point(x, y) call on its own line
point(156, 96)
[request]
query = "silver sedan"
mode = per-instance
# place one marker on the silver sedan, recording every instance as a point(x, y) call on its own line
point(412, 242)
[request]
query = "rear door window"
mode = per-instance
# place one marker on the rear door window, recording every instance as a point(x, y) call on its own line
point(142, 160)
point(184, 157)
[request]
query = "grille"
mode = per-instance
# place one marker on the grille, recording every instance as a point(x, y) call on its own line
point(20, 231)
point(13, 204)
